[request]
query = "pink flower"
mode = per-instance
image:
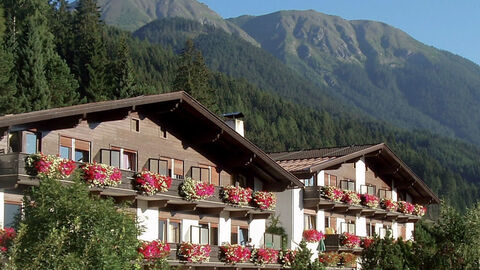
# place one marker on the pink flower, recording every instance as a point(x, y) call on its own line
point(313, 236)
point(154, 250)
point(350, 240)
point(265, 200)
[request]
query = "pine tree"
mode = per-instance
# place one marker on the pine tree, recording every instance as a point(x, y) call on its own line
point(123, 74)
point(7, 86)
point(194, 77)
point(43, 78)
point(90, 60)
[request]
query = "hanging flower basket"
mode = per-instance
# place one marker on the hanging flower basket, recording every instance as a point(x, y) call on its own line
point(389, 205)
point(237, 195)
point(262, 256)
point(420, 210)
point(151, 183)
point(233, 254)
point(155, 250)
point(369, 200)
point(101, 175)
point(49, 166)
point(350, 240)
point(313, 236)
point(265, 200)
point(405, 207)
point(288, 256)
point(333, 193)
point(194, 253)
point(351, 197)
point(193, 190)
point(6, 238)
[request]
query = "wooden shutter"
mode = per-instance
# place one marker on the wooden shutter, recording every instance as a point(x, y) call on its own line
point(215, 176)
point(66, 142)
point(82, 145)
point(178, 167)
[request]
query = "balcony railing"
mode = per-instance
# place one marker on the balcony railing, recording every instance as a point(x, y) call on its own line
point(313, 199)
point(333, 243)
point(14, 175)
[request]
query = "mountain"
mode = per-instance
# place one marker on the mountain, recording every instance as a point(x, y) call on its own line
point(133, 14)
point(377, 68)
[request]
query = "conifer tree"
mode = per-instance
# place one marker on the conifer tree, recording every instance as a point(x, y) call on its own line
point(7, 87)
point(194, 77)
point(123, 74)
point(90, 58)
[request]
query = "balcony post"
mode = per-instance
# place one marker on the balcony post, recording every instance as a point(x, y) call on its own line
point(224, 228)
point(148, 218)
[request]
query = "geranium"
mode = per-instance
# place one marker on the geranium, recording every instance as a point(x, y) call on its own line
point(237, 195)
point(101, 175)
point(235, 253)
point(194, 253)
point(151, 183)
point(154, 250)
point(329, 258)
point(288, 256)
point(405, 207)
point(348, 259)
point(350, 240)
point(313, 236)
point(366, 242)
point(420, 210)
point(6, 237)
point(193, 190)
point(49, 166)
point(265, 200)
point(333, 193)
point(262, 256)
point(389, 204)
point(370, 200)
point(350, 197)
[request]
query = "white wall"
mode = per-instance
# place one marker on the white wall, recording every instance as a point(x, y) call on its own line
point(290, 212)
point(360, 171)
point(339, 225)
point(224, 228)
point(321, 178)
point(361, 226)
point(378, 226)
point(256, 230)
point(148, 218)
point(394, 191)
point(394, 230)
point(186, 229)
point(409, 231)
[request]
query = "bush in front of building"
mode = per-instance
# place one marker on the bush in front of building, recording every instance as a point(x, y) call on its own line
point(303, 259)
point(64, 227)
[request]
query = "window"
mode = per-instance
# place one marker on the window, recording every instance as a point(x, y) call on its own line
point(213, 234)
point(201, 174)
point(14, 142)
point(215, 175)
point(128, 160)
point(75, 149)
point(327, 222)
point(384, 194)
point(178, 171)
point(234, 235)
point(370, 229)
point(243, 236)
point(174, 232)
point(309, 222)
point(310, 182)
point(162, 230)
point(159, 166)
point(31, 143)
point(348, 227)
point(135, 125)
point(273, 241)
point(368, 189)
point(347, 184)
point(330, 180)
point(199, 234)
point(11, 211)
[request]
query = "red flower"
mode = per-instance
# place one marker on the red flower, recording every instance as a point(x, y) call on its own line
point(154, 250)
point(266, 256)
point(6, 237)
point(370, 200)
point(195, 253)
point(366, 242)
point(350, 240)
point(151, 183)
point(237, 195)
point(235, 253)
point(313, 236)
point(265, 200)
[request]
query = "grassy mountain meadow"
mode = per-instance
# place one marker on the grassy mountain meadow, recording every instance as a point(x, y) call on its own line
point(286, 107)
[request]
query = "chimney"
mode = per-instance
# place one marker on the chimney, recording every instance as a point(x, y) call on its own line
point(234, 120)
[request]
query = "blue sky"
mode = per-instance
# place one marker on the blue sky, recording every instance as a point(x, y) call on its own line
point(452, 25)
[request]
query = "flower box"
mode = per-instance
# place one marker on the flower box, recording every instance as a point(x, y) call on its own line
point(288, 257)
point(262, 256)
point(49, 166)
point(419, 210)
point(154, 250)
point(389, 205)
point(313, 236)
point(101, 175)
point(193, 190)
point(348, 259)
point(331, 259)
point(6, 238)
point(351, 197)
point(333, 193)
point(233, 254)
point(194, 253)
point(237, 195)
point(369, 200)
point(151, 183)
point(405, 207)
point(265, 200)
point(350, 240)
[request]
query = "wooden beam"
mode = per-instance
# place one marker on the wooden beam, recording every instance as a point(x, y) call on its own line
point(123, 198)
point(182, 207)
point(239, 214)
point(260, 215)
point(210, 210)
point(158, 203)
point(340, 208)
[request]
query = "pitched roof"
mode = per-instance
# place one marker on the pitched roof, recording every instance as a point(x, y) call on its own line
point(306, 162)
point(177, 107)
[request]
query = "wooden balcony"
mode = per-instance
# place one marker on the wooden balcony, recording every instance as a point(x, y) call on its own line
point(313, 199)
point(13, 175)
point(214, 262)
point(333, 243)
